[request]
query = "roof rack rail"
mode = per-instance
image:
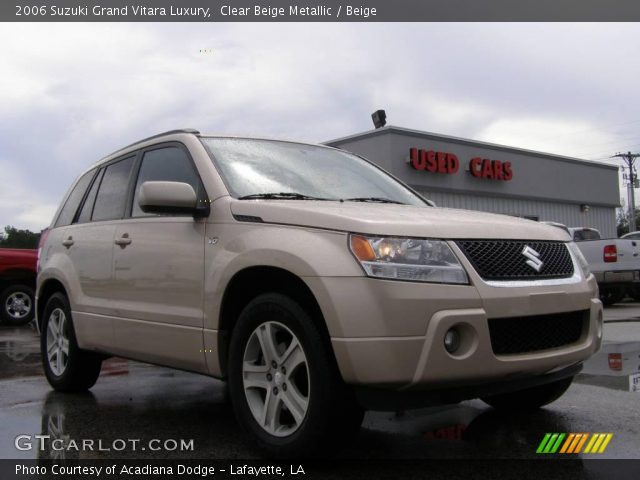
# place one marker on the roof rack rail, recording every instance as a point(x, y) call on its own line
point(169, 132)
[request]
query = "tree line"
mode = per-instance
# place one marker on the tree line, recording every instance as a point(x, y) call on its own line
point(17, 238)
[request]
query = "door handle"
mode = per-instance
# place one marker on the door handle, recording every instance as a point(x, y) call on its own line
point(123, 241)
point(68, 242)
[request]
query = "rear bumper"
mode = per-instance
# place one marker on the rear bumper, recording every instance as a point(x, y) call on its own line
point(617, 278)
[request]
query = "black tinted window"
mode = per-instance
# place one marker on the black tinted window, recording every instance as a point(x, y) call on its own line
point(87, 208)
point(170, 164)
point(585, 235)
point(112, 194)
point(73, 201)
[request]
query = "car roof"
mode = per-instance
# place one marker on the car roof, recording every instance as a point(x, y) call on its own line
point(193, 131)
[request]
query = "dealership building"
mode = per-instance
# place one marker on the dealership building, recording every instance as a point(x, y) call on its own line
point(461, 173)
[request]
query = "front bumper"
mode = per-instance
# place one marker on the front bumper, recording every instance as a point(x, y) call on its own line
point(414, 363)
point(388, 334)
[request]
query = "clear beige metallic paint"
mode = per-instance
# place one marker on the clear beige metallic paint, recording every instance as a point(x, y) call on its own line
point(158, 298)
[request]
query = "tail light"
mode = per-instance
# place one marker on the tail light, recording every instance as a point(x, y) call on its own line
point(610, 254)
point(43, 238)
point(615, 361)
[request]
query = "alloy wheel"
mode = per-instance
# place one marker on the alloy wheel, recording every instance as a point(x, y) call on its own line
point(275, 376)
point(18, 305)
point(57, 342)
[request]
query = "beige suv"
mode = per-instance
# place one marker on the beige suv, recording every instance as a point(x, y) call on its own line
point(314, 282)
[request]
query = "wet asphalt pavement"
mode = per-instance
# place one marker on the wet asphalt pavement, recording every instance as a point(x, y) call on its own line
point(138, 401)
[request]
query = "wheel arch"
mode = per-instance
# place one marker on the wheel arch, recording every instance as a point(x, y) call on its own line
point(252, 281)
point(46, 290)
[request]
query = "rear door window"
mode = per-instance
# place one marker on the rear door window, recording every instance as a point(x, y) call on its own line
point(112, 193)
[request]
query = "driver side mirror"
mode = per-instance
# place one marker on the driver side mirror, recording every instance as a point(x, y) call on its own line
point(170, 197)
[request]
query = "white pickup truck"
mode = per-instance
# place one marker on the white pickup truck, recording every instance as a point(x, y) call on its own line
point(614, 262)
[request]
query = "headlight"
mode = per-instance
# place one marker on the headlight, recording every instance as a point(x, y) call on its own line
point(415, 259)
point(579, 257)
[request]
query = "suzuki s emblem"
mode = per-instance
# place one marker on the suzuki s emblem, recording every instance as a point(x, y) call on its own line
point(533, 258)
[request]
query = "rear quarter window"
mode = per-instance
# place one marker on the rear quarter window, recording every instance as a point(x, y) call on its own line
point(87, 208)
point(70, 208)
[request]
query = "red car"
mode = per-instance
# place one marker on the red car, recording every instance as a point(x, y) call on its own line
point(17, 284)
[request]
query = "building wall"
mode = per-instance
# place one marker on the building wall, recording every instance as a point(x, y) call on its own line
point(602, 218)
point(546, 186)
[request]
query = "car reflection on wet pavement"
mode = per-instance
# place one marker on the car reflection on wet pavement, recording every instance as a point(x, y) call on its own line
point(142, 402)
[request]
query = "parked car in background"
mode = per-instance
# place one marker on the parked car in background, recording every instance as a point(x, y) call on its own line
point(632, 235)
point(313, 281)
point(17, 285)
point(562, 226)
point(614, 262)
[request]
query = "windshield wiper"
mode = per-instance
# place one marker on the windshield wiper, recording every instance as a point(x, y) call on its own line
point(373, 200)
point(280, 196)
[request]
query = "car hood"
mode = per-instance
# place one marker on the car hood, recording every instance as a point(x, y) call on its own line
point(399, 220)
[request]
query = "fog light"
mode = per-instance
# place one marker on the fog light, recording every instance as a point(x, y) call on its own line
point(452, 340)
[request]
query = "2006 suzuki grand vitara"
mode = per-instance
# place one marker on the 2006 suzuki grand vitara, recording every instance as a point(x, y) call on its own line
point(313, 281)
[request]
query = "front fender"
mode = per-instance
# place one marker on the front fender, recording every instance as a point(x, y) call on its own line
point(300, 251)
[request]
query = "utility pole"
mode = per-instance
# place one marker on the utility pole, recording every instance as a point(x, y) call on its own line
point(630, 158)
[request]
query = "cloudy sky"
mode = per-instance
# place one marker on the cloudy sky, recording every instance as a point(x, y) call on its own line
point(72, 93)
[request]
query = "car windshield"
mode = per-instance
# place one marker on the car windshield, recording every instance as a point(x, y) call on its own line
point(292, 171)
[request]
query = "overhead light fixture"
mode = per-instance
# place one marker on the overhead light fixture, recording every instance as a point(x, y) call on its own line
point(584, 208)
point(379, 118)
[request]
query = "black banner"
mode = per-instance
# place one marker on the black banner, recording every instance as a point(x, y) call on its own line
point(191, 469)
point(321, 11)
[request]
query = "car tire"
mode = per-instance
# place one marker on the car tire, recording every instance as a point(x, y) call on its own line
point(635, 294)
point(66, 366)
point(530, 398)
point(18, 305)
point(611, 297)
point(299, 405)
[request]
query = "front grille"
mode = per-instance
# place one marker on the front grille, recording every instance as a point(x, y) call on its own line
point(505, 260)
point(534, 333)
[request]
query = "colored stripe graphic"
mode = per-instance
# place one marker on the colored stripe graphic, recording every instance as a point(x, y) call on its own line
point(581, 443)
point(550, 443)
point(591, 442)
point(567, 443)
point(543, 443)
point(606, 442)
point(555, 447)
point(574, 443)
